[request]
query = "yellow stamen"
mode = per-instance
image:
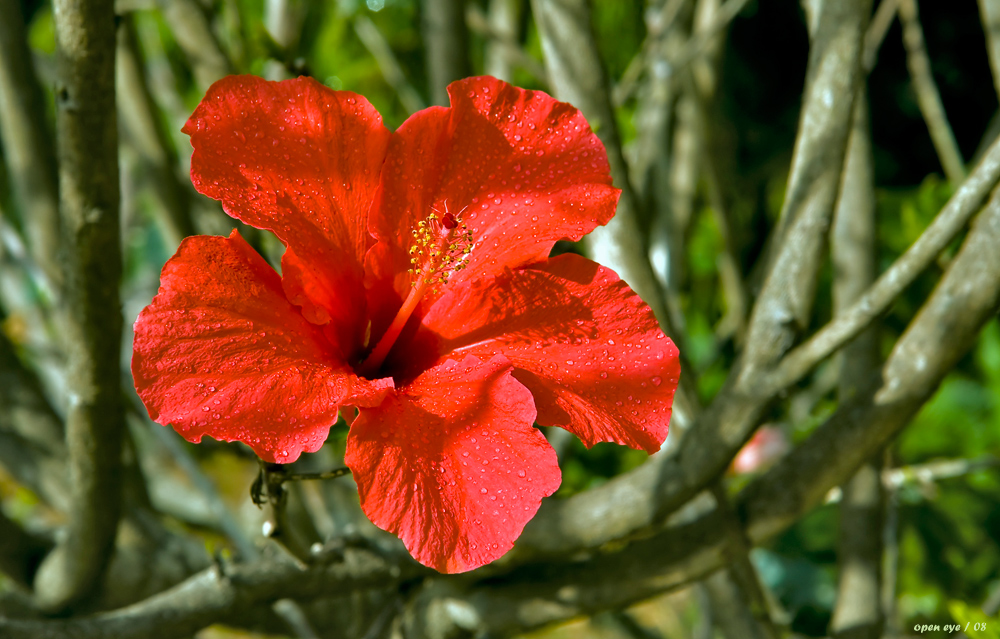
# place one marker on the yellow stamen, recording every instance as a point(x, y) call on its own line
point(441, 247)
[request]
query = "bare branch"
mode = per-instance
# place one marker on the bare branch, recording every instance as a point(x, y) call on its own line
point(20, 552)
point(877, 29)
point(944, 329)
point(27, 146)
point(221, 594)
point(141, 123)
point(989, 10)
point(658, 26)
point(501, 26)
point(503, 50)
point(858, 614)
point(31, 433)
point(577, 76)
point(194, 34)
point(703, 37)
point(785, 301)
point(88, 175)
point(927, 94)
point(372, 38)
point(948, 223)
point(936, 470)
point(446, 40)
point(731, 612)
point(639, 500)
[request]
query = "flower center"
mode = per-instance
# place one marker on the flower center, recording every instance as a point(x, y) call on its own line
point(441, 247)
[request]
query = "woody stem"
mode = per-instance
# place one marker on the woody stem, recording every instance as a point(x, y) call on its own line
point(378, 355)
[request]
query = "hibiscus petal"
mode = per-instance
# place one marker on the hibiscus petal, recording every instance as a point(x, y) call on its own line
point(452, 464)
point(221, 352)
point(303, 161)
point(523, 169)
point(588, 348)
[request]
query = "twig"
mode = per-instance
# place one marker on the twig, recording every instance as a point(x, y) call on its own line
point(503, 44)
point(857, 614)
point(501, 26)
point(726, 14)
point(657, 26)
point(990, 12)
point(372, 38)
point(890, 560)
point(877, 29)
point(936, 471)
point(32, 444)
point(224, 517)
point(578, 77)
point(928, 96)
point(20, 552)
point(28, 148)
point(215, 595)
point(446, 42)
point(845, 326)
point(88, 174)
point(141, 121)
point(944, 329)
point(194, 35)
point(786, 299)
point(738, 583)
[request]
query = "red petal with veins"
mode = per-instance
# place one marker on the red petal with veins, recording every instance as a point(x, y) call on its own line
point(523, 169)
point(587, 347)
point(303, 161)
point(221, 352)
point(452, 464)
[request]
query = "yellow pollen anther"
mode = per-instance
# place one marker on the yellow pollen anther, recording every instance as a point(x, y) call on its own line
point(441, 247)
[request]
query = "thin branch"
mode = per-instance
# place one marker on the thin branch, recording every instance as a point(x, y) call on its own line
point(501, 27)
point(577, 76)
point(88, 175)
point(194, 35)
point(989, 10)
point(785, 301)
point(703, 38)
point(857, 614)
point(658, 25)
point(504, 50)
point(945, 328)
point(928, 96)
point(877, 29)
point(936, 471)
point(946, 225)
point(222, 594)
point(27, 146)
point(446, 42)
point(20, 552)
point(32, 447)
point(141, 121)
point(376, 44)
point(736, 592)
point(224, 517)
point(732, 614)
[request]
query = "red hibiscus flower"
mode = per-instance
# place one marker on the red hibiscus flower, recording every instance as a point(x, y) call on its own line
point(415, 287)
